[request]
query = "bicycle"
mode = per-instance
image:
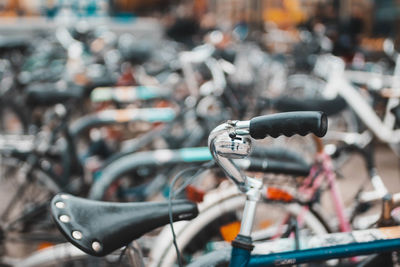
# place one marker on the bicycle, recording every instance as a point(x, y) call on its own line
point(220, 141)
point(111, 204)
point(243, 245)
point(301, 201)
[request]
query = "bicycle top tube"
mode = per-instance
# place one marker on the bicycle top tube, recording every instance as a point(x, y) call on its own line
point(328, 246)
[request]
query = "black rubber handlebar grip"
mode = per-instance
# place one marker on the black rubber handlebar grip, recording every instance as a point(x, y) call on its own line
point(288, 124)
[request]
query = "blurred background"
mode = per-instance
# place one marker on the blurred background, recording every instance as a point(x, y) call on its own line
point(89, 88)
point(369, 18)
point(362, 23)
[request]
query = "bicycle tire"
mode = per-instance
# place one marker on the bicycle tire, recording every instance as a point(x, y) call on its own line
point(213, 259)
point(24, 203)
point(165, 158)
point(220, 201)
point(63, 254)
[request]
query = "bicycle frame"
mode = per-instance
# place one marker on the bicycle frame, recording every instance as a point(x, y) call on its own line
point(316, 181)
point(383, 129)
point(339, 245)
point(323, 170)
point(242, 257)
point(331, 246)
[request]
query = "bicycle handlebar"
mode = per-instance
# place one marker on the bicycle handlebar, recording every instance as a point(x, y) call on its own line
point(230, 139)
point(288, 124)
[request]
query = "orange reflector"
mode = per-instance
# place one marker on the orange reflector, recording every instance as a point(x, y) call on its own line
point(265, 224)
point(163, 104)
point(194, 194)
point(44, 245)
point(230, 231)
point(274, 193)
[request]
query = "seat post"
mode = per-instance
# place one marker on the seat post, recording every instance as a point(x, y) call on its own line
point(253, 187)
point(252, 196)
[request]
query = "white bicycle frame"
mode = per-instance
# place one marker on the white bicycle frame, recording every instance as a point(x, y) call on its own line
point(339, 83)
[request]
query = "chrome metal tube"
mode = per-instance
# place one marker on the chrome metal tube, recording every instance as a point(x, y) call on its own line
point(248, 217)
point(230, 169)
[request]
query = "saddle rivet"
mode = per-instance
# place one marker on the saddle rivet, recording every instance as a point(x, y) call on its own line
point(64, 196)
point(60, 205)
point(64, 218)
point(77, 235)
point(96, 246)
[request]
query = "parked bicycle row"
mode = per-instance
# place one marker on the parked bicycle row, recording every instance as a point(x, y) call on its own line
point(89, 114)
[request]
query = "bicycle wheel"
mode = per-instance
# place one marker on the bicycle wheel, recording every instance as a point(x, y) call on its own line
point(143, 166)
point(24, 220)
point(218, 213)
point(219, 258)
point(66, 254)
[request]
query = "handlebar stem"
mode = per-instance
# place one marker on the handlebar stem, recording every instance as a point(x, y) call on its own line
point(253, 194)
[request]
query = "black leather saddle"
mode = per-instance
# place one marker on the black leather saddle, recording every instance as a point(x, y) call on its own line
point(98, 228)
